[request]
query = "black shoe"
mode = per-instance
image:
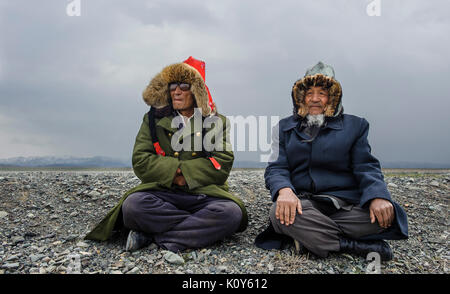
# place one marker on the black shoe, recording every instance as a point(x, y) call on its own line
point(137, 240)
point(365, 247)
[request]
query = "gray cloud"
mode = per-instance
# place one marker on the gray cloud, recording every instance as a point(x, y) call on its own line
point(72, 85)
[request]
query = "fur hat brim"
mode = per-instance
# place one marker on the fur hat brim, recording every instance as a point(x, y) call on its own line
point(157, 92)
point(334, 105)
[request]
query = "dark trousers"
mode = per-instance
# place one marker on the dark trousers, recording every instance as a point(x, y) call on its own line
point(321, 225)
point(179, 220)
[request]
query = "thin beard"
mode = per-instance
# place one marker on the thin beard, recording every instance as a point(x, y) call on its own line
point(315, 120)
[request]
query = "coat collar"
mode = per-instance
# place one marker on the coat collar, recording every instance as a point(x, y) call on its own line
point(294, 122)
point(291, 123)
point(334, 123)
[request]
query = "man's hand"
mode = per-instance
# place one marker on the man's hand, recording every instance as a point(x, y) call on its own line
point(287, 206)
point(179, 179)
point(383, 211)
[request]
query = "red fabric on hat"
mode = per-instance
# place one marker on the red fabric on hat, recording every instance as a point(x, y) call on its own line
point(199, 65)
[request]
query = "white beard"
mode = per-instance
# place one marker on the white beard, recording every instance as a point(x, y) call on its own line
point(315, 120)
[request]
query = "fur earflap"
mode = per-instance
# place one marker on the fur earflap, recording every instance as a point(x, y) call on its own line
point(333, 87)
point(157, 92)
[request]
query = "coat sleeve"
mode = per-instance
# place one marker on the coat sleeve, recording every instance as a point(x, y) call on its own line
point(277, 174)
point(367, 170)
point(147, 165)
point(199, 172)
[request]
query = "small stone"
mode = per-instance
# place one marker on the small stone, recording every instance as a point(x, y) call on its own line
point(74, 214)
point(270, 267)
point(135, 270)
point(36, 257)
point(3, 214)
point(82, 244)
point(415, 188)
point(42, 271)
point(173, 258)
point(71, 237)
point(11, 265)
point(17, 239)
point(118, 264)
point(12, 257)
point(93, 194)
point(30, 215)
point(152, 246)
point(116, 272)
point(193, 255)
point(434, 184)
point(392, 185)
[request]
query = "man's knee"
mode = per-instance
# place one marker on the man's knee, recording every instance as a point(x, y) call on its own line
point(228, 212)
point(131, 205)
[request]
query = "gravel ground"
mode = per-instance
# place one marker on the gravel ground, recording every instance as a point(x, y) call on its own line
point(45, 214)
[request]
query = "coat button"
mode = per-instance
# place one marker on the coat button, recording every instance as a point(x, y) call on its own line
point(198, 134)
point(176, 154)
point(194, 154)
point(169, 134)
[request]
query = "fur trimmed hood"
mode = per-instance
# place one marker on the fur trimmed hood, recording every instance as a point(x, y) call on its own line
point(320, 75)
point(157, 92)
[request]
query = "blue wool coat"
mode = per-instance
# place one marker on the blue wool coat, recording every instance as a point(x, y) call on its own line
point(337, 162)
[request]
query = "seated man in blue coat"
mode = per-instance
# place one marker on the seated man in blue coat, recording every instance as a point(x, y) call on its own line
point(328, 189)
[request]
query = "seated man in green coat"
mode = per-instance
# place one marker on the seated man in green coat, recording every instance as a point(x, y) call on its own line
point(183, 200)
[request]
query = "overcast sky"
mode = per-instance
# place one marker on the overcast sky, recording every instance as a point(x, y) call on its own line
point(72, 85)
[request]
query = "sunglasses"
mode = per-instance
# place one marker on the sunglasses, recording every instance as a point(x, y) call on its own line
point(183, 86)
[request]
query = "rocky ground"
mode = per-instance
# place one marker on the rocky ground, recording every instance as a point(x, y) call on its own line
point(44, 216)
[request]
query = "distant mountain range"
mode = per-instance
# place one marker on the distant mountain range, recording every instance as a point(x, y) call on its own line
point(110, 162)
point(64, 161)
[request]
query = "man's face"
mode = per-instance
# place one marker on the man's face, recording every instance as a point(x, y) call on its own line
point(316, 100)
point(181, 99)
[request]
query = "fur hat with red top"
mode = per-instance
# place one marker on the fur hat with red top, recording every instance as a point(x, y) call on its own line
point(191, 71)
